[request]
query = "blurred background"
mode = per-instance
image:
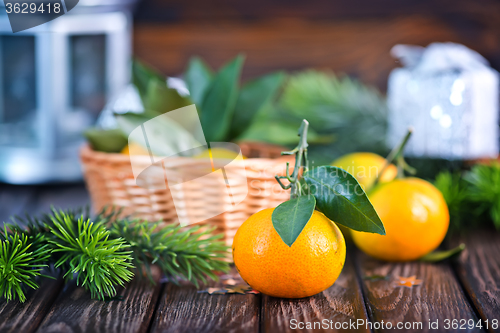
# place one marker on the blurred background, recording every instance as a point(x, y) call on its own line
point(42, 116)
point(347, 36)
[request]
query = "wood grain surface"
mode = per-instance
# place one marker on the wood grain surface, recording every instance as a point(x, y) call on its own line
point(25, 317)
point(15, 200)
point(449, 291)
point(59, 197)
point(177, 10)
point(75, 311)
point(360, 48)
point(439, 297)
point(341, 303)
point(478, 268)
point(182, 309)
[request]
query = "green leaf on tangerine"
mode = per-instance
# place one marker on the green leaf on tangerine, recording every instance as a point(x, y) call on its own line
point(290, 217)
point(340, 197)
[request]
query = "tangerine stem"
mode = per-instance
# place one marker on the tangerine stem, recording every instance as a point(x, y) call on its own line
point(394, 154)
point(301, 161)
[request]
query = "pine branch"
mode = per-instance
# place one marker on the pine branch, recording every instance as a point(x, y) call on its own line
point(484, 189)
point(87, 250)
point(36, 225)
point(472, 197)
point(356, 114)
point(192, 254)
point(22, 258)
point(100, 258)
point(455, 193)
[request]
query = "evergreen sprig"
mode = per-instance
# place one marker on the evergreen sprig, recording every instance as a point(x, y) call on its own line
point(455, 193)
point(192, 254)
point(354, 113)
point(472, 196)
point(87, 250)
point(40, 225)
point(22, 259)
point(484, 189)
point(102, 253)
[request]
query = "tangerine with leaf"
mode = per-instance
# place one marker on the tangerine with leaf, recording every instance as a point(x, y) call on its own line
point(295, 250)
point(414, 213)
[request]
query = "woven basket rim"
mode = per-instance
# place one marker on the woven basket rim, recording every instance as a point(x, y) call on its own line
point(86, 150)
point(110, 181)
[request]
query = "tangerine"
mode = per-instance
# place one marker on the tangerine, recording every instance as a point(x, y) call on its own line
point(415, 217)
point(217, 153)
point(135, 149)
point(309, 266)
point(365, 167)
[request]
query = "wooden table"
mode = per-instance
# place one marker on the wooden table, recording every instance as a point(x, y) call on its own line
point(466, 290)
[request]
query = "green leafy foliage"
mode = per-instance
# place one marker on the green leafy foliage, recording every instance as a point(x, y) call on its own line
point(271, 126)
point(340, 197)
point(290, 217)
point(99, 262)
point(345, 115)
point(253, 96)
point(473, 197)
point(22, 259)
point(330, 103)
point(217, 108)
point(108, 141)
point(142, 75)
point(198, 78)
point(156, 96)
point(226, 109)
point(192, 254)
point(160, 98)
point(352, 114)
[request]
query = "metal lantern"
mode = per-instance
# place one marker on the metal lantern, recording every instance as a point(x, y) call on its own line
point(54, 80)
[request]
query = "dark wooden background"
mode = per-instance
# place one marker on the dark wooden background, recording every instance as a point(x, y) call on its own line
point(347, 36)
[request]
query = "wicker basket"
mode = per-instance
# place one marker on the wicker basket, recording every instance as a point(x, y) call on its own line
point(110, 182)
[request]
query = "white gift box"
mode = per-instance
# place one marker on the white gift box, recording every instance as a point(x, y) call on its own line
point(450, 96)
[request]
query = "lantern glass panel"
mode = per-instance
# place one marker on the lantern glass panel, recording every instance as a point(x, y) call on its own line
point(88, 72)
point(87, 87)
point(18, 93)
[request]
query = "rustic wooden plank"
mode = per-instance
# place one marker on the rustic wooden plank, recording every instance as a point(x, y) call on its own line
point(341, 304)
point(355, 47)
point(175, 10)
point(439, 297)
point(21, 199)
point(15, 200)
point(478, 268)
point(75, 311)
point(25, 317)
point(182, 309)
point(60, 196)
